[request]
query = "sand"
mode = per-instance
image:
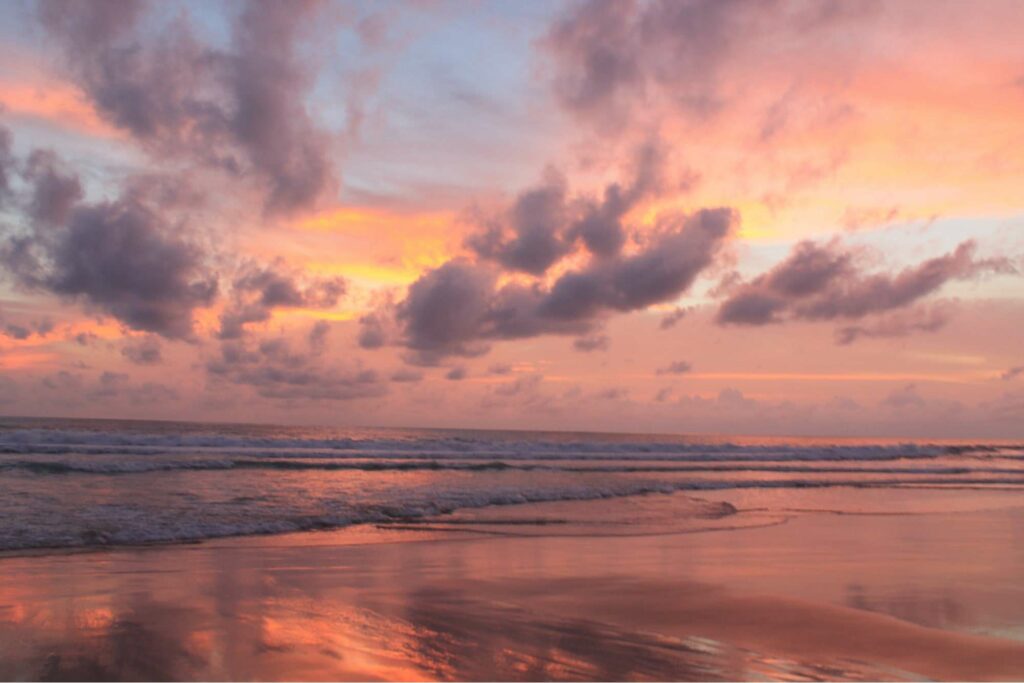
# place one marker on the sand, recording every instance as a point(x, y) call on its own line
point(830, 585)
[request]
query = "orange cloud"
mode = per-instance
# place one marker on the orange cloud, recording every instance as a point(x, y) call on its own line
point(21, 360)
point(56, 103)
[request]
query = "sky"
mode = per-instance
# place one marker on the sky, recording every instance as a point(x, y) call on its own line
point(679, 216)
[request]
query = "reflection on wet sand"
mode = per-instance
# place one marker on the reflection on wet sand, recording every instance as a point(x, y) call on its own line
point(444, 634)
point(765, 603)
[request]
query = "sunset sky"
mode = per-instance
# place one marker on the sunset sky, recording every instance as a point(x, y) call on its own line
point(708, 216)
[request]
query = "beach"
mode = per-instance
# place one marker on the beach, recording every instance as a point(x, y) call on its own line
point(614, 340)
point(836, 584)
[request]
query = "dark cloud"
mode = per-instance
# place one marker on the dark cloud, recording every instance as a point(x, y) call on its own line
point(145, 351)
point(274, 371)
point(680, 367)
point(543, 224)
point(530, 236)
point(595, 342)
point(613, 394)
point(109, 385)
point(7, 162)
point(600, 224)
point(609, 55)
point(318, 336)
point(665, 267)
point(372, 333)
point(258, 289)
point(84, 338)
point(1012, 373)
point(613, 58)
point(270, 120)
point(114, 385)
point(456, 373)
point(120, 257)
point(240, 110)
point(897, 325)
point(55, 190)
point(671, 319)
point(15, 331)
point(456, 309)
point(23, 330)
point(523, 393)
point(825, 282)
point(445, 310)
point(406, 375)
point(63, 380)
point(500, 369)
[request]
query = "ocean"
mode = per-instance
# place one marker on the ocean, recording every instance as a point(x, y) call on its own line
point(78, 483)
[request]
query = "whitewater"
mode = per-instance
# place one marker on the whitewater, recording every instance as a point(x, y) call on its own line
point(85, 483)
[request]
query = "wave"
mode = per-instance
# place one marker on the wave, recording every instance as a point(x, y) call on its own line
point(136, 530)
point(54, 495)
point(62, 442)
point(113, 467)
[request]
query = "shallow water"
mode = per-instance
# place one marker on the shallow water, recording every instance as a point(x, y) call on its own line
point(863, 595)
point(82, 483)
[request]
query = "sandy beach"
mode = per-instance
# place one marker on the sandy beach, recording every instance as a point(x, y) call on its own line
point(839, 585)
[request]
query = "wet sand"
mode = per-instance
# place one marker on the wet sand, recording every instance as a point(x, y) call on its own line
point(838, 584)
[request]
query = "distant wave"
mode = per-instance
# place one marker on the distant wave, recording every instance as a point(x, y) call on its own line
point(55, 442)
point(112, 467)
point(194, 484)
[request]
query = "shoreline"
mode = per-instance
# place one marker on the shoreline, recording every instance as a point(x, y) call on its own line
point(446, 522)
point(810, 598)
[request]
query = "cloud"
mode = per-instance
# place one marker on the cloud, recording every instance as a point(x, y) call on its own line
point(596, 342)
point(667, 265)
point(444, 311)
point(613, 60)
point(21, 331)
point(318, 336)
point(612, 394)
point(670, 320)
point(145, 351)
point(7, 163)
point(543, 224)
point(274, 371)
point(120, 257)
point(1012, 373)
point(457, 308)
point(259, 289)
point(680, 367)
point(903, 398)
point(456, 373)
point(406, 375)
point(899, 324)
point(372, 334)
point(519, 386)
point(611, 56)
point(113, 385)
point(825, 282)
point(530, 236)
point(55, 189)
point(734, 399)
point(240, 110)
